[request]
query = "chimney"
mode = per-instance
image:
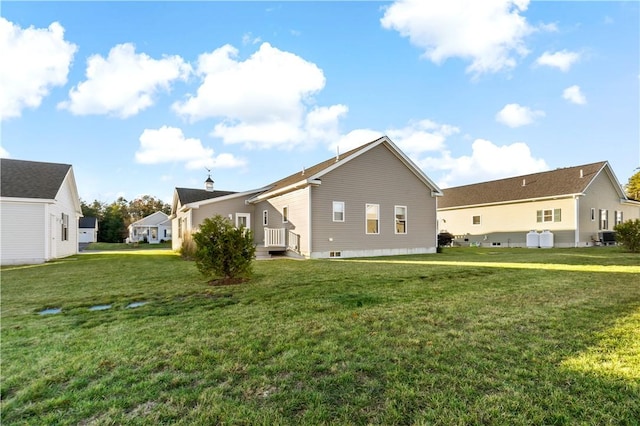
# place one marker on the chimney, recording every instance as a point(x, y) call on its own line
point(208, 184)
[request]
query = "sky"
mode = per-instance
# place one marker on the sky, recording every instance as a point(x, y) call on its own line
point(144, 97)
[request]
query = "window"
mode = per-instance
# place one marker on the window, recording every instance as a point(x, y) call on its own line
point(338, 211)
point(619, 219)
point(65, 227)
point(593, 215)
point(265, 217)
point(549, 215)
point(475, 220)
point(373, 218)
point(604, 219)
point(401, 219)
point(285, 214)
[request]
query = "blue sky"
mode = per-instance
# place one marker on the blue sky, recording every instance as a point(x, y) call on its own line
point(143, 97)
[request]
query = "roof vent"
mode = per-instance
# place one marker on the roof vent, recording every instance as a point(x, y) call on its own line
point(524, 182)
point(337, 153)
point(581, 174)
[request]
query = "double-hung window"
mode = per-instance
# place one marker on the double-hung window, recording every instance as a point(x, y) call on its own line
point(604, 219)
point(338, 211)
point(618, 217)
point(373, 218)
point(401, 219)
point(549, 215)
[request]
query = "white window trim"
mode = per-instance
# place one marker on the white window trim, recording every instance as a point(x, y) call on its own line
point(406, 220)
point(265, 217)
point(479, 216)
point(593, 214)
point(247, 215)
point(285, 217)
point(333, 211)
point(366, 219)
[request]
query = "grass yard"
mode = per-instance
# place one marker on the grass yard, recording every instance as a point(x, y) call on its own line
point(469, 336)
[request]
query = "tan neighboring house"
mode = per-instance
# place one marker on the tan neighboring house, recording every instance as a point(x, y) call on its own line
point(370, 201)
point(578, 206)
point(39, 211)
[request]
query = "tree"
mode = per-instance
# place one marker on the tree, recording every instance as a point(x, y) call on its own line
point(632, 188)
point(628, 234)
point(112, 228)
point(222, 250)
point(144, 206)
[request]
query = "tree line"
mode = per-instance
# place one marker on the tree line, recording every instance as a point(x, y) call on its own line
point(114, 218)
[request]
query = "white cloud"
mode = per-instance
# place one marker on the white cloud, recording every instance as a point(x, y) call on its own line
point(561, 60)
point(4, 153)
point(574, 95)
point(489, 33)
point(354, 139)
point(263, 101)
point(124, 83)
point(487, 161)
point(422, 136)
point(168, 145)
point(514, 115)
point(34, 60)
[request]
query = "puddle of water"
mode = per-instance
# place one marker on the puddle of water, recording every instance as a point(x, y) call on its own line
point(100, 307)
point(51, 311)
point(135, 305)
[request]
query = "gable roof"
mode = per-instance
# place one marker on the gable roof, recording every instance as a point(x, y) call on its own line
point(151, 220)
point(311, 175)
point(560, 182)
point(88, 222)
point(31, 179)
point(190, 195)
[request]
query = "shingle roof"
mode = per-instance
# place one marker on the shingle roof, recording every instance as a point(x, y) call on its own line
point(190, 195)
point(557, 182)
point(87, 222)
point(31, 179)
point(313, 170)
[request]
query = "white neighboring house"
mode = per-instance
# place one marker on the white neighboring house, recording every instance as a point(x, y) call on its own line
point(39, 211)
point(88, 230)
point(152, 229)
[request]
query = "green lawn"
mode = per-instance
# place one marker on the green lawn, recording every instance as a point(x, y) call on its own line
point(469, 336)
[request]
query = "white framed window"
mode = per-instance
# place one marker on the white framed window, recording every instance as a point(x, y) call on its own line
point(338, 211)
point(373, 218)
point(285, 214)
point(243, 220)
point(604, 219)
point(549, 215)
point(619, 219)
point(401, 219)
point(265, 217)
point(475, 220)
point(593, 215)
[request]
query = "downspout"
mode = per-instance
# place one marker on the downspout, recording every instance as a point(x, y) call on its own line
point(310, 224)
point(577, 221)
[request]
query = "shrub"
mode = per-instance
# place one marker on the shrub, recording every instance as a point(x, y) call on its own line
point(188, 247)
point(222, 250)
point(628, 234)
point(444, 239)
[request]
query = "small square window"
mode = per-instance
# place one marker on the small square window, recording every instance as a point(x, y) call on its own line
point(476, 220)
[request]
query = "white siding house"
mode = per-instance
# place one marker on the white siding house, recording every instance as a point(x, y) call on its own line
point(151, 229)
point(39, 211)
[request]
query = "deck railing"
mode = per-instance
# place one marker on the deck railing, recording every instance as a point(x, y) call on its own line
point(274, 237)
point(293, 242)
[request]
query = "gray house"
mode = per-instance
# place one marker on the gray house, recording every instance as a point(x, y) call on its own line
point(39, 211)
point(370, 201)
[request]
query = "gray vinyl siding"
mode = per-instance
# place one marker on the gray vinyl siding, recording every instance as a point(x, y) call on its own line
point(298, 217)
point(223, 208)
point(375, 177)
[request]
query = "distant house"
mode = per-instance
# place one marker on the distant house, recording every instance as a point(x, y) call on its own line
point(370, 201)
point(578, 205)
point(151, 229)
point(39, 211)
point(88, 230)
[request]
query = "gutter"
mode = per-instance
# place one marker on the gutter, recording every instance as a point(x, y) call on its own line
point(500, 203)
